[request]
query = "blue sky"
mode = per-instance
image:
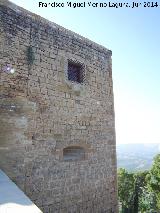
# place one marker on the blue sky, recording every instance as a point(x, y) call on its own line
point(133, 35)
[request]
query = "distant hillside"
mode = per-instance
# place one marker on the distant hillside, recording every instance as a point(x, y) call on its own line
point(136, 157)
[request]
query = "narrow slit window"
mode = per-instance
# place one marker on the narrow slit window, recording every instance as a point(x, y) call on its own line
point(73, 153)
point(75, 72)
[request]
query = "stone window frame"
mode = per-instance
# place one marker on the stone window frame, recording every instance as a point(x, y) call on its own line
point(73, 150)
point(87, 148)
point(79, 62)
point(79, 72)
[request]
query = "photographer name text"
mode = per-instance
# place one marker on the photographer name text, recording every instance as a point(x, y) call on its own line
point(99, 4)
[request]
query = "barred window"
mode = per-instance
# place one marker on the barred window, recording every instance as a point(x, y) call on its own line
point(75, 71)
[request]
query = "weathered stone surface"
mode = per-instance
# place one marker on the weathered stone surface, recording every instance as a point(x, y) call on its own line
point(42, 112)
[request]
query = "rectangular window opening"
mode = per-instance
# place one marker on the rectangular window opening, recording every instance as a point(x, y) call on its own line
point(75, 72)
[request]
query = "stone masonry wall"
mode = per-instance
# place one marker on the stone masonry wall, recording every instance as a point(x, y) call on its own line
point(42, 112)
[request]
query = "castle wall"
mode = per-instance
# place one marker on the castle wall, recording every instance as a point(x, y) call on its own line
point(42, 112)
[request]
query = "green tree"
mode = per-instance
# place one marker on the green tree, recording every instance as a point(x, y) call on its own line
point(140, 184)
point(140, 191)
point(131, 188)
point(153, 179)
point(125, 189)
point(147, 201)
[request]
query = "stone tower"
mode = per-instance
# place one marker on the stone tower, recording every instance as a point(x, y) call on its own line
point(57, 131)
